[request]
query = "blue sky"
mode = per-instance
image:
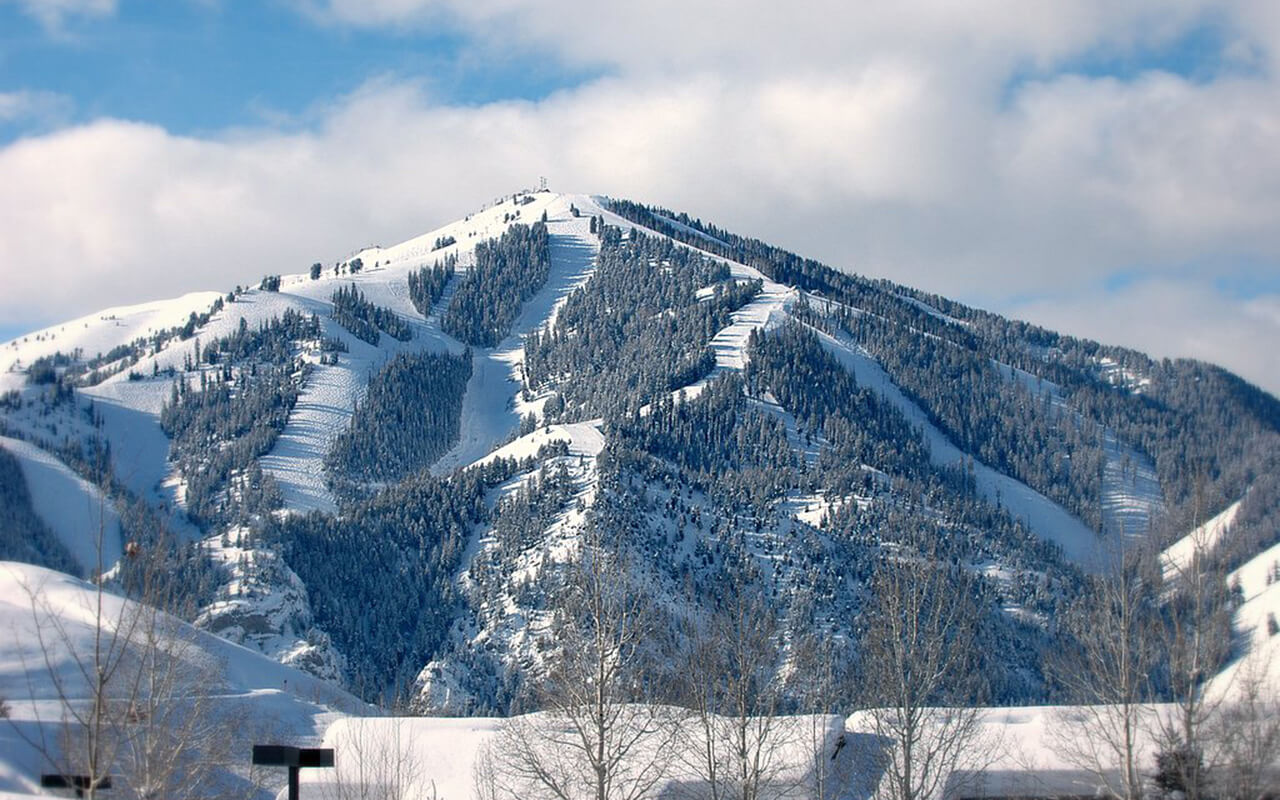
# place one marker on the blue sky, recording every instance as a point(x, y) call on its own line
point(201, 67)
point(1105, 168)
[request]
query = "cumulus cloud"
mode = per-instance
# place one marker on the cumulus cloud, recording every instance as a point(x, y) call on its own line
point(934, 147)
point(675, 35)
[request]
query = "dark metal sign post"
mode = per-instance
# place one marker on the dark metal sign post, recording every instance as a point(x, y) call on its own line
point(295, 758)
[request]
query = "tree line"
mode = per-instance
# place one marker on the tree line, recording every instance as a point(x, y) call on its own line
point(507, 272)
point(635, 329)
point(408, 418)
point(365, 320)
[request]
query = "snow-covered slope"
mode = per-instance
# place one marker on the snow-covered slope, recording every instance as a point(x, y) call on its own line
point(1256, 621)
point(1041, 515)
point(274, 703)
point(492, 407)
point(1180, 556)
point(74, 509)
point(1257, 626)
point(97, 333)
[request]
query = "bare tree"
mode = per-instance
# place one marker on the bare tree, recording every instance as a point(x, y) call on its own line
point(732, 682)
point(486, 781)
point(1195, 636)
point(378, 761)
point(174, 738)
point(133, 692)
point(595, 736)
point(1109, 672)
point(918, 666)
point(1246, 732)
point(822, 679)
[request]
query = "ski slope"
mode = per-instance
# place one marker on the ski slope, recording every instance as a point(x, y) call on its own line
point(1260, 660)
point(584, 439)
point(1041, 515)
point(1257, 650)
point(489, 409)
point(1131, 493)
point(97, 333)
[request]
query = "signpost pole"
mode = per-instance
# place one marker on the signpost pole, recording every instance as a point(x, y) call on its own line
point(295, 758)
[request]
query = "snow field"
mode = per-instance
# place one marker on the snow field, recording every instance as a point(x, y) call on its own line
point(276, 702)
point(74, 509)
point(443, 752)
point(1016, 752)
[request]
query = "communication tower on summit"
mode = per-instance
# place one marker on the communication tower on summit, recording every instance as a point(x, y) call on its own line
point(542, 184)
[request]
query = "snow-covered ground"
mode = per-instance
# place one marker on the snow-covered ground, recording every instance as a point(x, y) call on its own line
point(1258, 651)
point(97, 333)
point(1131, 494)
point(582, 438)
point(438, 757)
point(272, 702)
point(1254, 623)
point(1018, 752)
point(74, 509)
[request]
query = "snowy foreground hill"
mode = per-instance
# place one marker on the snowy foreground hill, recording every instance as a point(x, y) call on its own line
point(50, 621)
point(384, 471)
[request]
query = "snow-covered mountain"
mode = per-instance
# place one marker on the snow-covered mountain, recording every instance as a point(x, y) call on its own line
point(376, 469)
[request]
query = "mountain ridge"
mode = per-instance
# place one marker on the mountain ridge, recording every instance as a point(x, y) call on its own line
point(648, 329)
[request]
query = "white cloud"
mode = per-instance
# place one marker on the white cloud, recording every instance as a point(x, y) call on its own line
point(678, 36)
point(53, 14)
point(1170, 318)
point(887, 140)
point(26, 106)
